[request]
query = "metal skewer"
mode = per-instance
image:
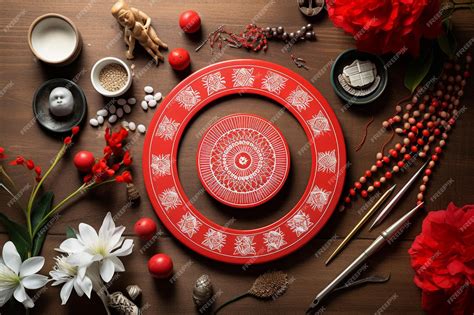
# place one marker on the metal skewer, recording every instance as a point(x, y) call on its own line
point(356, 228)
point(389, 207)
point(385, 237)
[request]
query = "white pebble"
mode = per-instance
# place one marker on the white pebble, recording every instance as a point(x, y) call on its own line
point(152, 103)
point(112, 109)
point(119, 112)
point(132, 101)
point(148, 98)
point(132, 126)
point(112, 119)
point(148, 89)
point(141, 128)
point(158, 96)
point(94, 122)
point(102, 112)
point(100, 119)
point(144, 105)
point(127, 109)
point(122, 101)
point(124, 123)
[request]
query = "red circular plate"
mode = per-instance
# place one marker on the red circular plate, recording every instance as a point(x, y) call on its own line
point(243, 160)
point(325, 142)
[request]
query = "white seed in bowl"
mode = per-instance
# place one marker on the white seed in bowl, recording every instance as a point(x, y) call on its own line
point(148, 89)
point(132, 101)
point(112, 109)
point(100, 119)
point(141, 128)
point(152, 103)
point(102, 112)
point(158, 96)
point(144, 105)
point(121, 101)
point(132, 126)
point(127, 109)
point(112, 119)
point(119, 112)
point(148, 98)
point(93, 122)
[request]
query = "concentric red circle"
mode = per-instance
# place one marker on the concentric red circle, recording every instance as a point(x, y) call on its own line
point(243, 160)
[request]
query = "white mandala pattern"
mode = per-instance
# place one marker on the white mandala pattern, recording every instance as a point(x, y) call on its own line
point(167, 128)
point(327, 161)
point(244, 245)
point(274, 239)
point(169, 199)
point(318, 198)
point(273, 82)
point(189, 224)
point(299, 223)
point(161, 164)
point(243, 77)
point(299, 99)
point(215, 240)
point(319, 124)
point(214, 82)
point(188, 98)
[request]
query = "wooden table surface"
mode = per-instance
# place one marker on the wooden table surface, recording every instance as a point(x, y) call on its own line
point(21, 74)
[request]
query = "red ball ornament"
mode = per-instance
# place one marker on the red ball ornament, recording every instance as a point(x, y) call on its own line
point(145, 228)
point(179, 59)
point(190, 21)
point(358, 185)
point(160, 266)
point(83, 161)
point(388, 175)
point(364, 193)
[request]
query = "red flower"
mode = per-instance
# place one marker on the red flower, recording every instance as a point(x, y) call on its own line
point(127, 159)
point(125, 177)
point(75, 130)
point(382, 26)
point(18, 161)
point(115, 140)
point(2, 153)
point(30, 164)
point(101, 171)
point(443, 259)
point(38, 170)
point(67, 140)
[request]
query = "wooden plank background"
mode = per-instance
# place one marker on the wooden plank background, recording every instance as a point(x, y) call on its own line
point(21, 74)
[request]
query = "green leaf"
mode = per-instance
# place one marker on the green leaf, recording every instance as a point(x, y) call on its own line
point(447, 41)
point(18, 235)
point(417, 69)
point(70, 232)
point(39, 211)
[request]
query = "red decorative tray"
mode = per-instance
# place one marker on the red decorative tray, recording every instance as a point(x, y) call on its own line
point(325, 141)
point(243, 160)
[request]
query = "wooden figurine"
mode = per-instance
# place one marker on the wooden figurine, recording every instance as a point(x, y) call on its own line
point(137, 27)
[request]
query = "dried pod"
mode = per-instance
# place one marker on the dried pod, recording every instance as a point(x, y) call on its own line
point(122, 304)
point(132, 193)
point(202, 291)
point(133, 291)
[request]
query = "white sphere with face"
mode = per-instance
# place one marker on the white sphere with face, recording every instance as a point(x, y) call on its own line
point(61, 102)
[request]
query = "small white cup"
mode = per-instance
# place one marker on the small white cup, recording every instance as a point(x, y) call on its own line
point(98, 66)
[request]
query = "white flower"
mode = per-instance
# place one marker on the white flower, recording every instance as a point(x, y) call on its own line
point(104, 248)
point(63, 272)
point(15, 275)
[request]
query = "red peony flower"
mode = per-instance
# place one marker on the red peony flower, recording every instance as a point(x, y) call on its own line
point(384, 26)
point(443, 259)
point(125, 177)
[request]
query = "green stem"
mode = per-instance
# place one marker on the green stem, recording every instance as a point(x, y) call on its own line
point(231, 301)
point(4, 172)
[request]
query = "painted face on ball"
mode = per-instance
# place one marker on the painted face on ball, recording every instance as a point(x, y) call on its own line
point(61, 102)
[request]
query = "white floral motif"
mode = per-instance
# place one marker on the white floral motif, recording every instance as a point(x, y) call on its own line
point(244, 245)
point(274, 239)
point(299, 98)
point(189, 224)
point(243, 77)
point(215, 240)
point(169, 199)
point(327, 161)
point(188, 98)
point(299, 223)
point(274, 82)
point(167, 128)
point(318, 198)
point(214, 82)
point(161, 164)
point(319, 124)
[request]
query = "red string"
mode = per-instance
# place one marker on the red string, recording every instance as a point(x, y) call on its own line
point(359, 146)
point(388, 141)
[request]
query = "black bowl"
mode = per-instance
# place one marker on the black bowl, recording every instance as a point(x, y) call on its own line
point(48, 120)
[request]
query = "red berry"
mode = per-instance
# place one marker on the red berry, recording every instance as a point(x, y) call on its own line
point(398, 146)
point(179, 59)
point(379, 164)
point(386, 159)
point(434, 157)
point(347, 200)
point(160, 266)
point(419, 125)
point(358, 185)
point(190, 21)
point(407, 157)
point(388, 175)
point(393, 153)
point(368, 173)
point(364, 193)
point(83, 161)
point(420, 141)
point(145, 228)
point(352, 192)
point(438, 150)
point(377, 184)
point(414, 149)
point(401, 163)
point(437, 132)
point(428, 172)
point(411, 136)
point(426, 133)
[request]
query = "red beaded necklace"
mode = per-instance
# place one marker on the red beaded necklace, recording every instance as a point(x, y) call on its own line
point(425, 120)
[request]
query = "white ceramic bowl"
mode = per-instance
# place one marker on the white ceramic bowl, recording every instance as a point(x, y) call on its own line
point(98, 66)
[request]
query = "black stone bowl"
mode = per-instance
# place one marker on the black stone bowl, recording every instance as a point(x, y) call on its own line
point(41, 106)
point(345, 59)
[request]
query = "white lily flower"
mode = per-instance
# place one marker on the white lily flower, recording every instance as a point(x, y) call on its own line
point(104, 248)
point(15, 275)
point(67, 274)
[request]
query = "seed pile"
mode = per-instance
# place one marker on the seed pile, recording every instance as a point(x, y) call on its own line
point(113, 77)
